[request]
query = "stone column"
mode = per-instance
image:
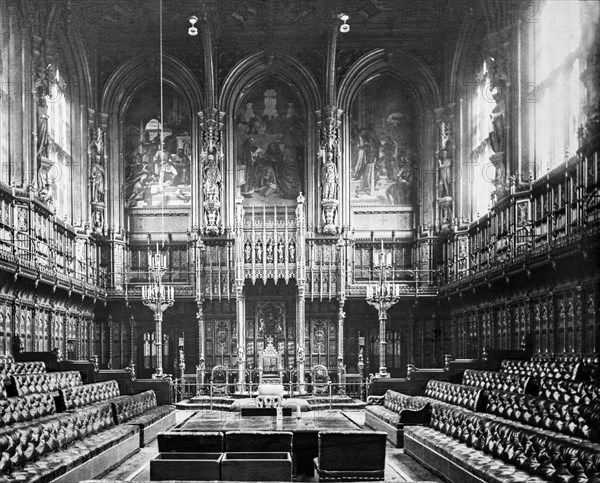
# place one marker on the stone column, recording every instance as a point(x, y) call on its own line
point(340, 350)
point(382, 342)
point(241, 330)
point(300, 337)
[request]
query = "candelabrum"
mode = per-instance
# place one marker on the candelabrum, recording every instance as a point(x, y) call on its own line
point(382, 296)
point(158, 298)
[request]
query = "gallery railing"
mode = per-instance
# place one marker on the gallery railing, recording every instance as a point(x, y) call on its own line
point(36, 244)
point(558, 210)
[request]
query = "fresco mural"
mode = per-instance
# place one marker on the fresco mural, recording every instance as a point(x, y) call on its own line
point(383, 145)
point(270, 136)
point(157, 174)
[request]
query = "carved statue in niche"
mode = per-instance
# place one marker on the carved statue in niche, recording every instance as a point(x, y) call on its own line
point(498, 137)
point(280, 251)
point(445, 170)
point(247, 252)
point(212, 179)
point(97, 179)
point(42, 82)
point(329, 177)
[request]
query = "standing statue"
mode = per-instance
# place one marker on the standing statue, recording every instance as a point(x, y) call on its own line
point(445, 166)
point(212, 179)
point(329, 178)
point(97, 178)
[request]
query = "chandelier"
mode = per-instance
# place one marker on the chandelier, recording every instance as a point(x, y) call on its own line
point(382, 296)
point(158, 298)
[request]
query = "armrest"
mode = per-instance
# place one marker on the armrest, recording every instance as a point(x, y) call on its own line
point(375, 400)
point(416, 416)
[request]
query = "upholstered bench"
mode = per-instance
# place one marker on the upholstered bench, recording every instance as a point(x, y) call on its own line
point(499, 380)
point(67, 447)
point(582, 421)
point(466, 446)
point(574, 392)
point(563, 370)
point(141, 410)
point(49, 382)
point(351, 455)
point(392, 411)
point(74, 397)
point(400, 410)
point(20, 409)
point(9, 369)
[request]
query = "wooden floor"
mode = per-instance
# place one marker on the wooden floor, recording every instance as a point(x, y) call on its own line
point(399, 467)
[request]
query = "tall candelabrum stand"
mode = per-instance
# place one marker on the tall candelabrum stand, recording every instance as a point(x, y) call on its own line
point(383, 296)
point(158, 298)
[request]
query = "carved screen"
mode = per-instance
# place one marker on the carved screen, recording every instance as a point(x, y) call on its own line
point(155, 177)
point(270, 133)
point(383, 141)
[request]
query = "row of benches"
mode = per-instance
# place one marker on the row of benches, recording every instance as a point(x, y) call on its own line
point(512, 425)
point(54, 428)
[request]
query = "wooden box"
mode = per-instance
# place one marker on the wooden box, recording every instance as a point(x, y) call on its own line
point(256, 467)
point(186, 466)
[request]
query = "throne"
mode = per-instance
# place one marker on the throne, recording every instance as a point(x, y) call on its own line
point(320, 380)
point(219, 380)
point(270, 369)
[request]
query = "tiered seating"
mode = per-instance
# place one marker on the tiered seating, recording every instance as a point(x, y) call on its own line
point(499, 380)
point(523, 437)
point(393, 411)
point(47, 382)
point(9, 368)
point(54, 428)
point(563, 370)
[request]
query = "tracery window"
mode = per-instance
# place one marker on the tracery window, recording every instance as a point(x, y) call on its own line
point(557, 91)
point(482, 171)
point(59, 151)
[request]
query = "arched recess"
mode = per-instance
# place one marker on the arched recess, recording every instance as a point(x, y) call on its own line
point(117, 95)
point(422, 88)
point(250, 72)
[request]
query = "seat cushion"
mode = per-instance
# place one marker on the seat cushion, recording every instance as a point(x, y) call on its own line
point(151, 416)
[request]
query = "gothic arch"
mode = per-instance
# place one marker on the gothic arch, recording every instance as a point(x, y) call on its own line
point(246, 74)
point(467, 56)
point(118, 93)
point(408, 69)
point(418, 80)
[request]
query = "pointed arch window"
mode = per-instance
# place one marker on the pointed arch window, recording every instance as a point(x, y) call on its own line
point(558, 57)
point(59, 140)
point(481, 171)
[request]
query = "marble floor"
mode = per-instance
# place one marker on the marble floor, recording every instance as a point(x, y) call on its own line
point(399, 467)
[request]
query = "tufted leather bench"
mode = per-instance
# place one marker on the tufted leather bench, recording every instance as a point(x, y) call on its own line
point(382, 413)
point(499, 380)
point(22, 385)
point(67, 447)
point(396, 410)
point(74, 397)
point(564, 370)
point(582, 421)
point(466, 446)
point(468, 397)
point(575, 392)
point(140, 410)
point(19, 409)
point(8, 369)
